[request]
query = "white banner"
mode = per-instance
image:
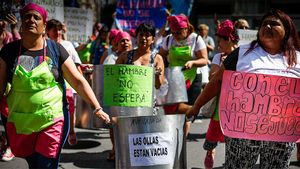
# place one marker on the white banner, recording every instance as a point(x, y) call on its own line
point(55, 8)
point(246, 36)
point(79, 24)
point(151, 149)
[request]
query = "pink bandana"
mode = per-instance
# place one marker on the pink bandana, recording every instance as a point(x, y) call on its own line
point(178, 22)
point(225, 29)
point(122, 35)
point(113, 33)
point(32, 6)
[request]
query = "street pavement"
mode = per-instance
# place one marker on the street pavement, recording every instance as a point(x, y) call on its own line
point(94, 145)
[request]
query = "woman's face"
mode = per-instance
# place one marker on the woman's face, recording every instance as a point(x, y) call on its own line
point(180, 34)
point(223, 44)
point(55, 34)
point(3, 24)
point(271, 32)
point(145, 39)
point(32, 22)
point(124, 45)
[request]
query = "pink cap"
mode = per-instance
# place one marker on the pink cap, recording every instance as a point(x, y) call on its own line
point(122, 35)
point(225, 29)
point(113, 33)
point(178, 22)
point(32, 6)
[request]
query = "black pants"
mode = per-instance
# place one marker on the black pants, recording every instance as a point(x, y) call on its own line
point(195, 89)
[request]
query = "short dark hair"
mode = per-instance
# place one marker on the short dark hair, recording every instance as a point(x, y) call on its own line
point(145, 27)
point(53, 23)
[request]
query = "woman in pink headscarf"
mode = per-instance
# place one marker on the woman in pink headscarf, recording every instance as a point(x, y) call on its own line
point(227, 39)
point(184, 48)
point(110, 55)
point(37, 124)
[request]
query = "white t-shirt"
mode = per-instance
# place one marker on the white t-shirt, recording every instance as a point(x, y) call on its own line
point(189, 41)
point(259, 61)
point(73, 54)
point(217, 59)
point(111, 58)
point(71, 50)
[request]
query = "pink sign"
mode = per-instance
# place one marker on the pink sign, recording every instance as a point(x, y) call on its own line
point(260, 107)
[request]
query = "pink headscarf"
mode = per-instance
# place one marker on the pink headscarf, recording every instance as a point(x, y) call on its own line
point(225, 29)
point(122, 35)
point(32, 6)
point(178, 22)
point(113, 33)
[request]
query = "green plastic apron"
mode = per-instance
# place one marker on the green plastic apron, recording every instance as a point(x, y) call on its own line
point(35, 99)
point(178, 56)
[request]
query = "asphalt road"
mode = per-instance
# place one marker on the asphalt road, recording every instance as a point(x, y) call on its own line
point(94, 145)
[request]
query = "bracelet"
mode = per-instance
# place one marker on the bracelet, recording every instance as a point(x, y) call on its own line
point(97, 109)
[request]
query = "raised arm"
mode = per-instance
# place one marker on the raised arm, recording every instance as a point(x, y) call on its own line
point(211, 89)
point(79, 83)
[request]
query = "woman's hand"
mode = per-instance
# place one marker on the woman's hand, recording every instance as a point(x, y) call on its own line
point(103, 116)
point(189, 64)
point(12, 20)
point(192, 113)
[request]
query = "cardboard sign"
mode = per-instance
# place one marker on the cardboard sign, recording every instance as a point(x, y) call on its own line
point(55, 8)
point(128, 85)
point(260, 107)
point(79, 24)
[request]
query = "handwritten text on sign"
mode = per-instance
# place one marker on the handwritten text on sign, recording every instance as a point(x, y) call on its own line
point(260, 107)
point(131, 13)
point(151, 149)
point(128, 85)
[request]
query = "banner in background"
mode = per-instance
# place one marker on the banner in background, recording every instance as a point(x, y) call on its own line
point(131, 13)
point(260, 107)
point(55, 8)
point(79, 24)
point(246, 36)
point(128, 85)
point(181, 6)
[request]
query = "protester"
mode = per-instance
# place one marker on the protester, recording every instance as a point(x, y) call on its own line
point(210, 44)
point(5, 38)
point(110, 55)
point(276, 52)
point(96, 29)
point(142, 55)
point(209, 41)
point(227, 39)
point(99, 45)
point(38, 119)
point(184, 48)
point(241, 24)
point(55, 31)
point(123, 44)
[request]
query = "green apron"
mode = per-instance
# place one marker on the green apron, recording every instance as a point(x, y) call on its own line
point(35, 99)
point(178, 56)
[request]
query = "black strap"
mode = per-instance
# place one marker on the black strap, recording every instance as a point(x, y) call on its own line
point(130, 57)
point(55, 57)
point(231, 60)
